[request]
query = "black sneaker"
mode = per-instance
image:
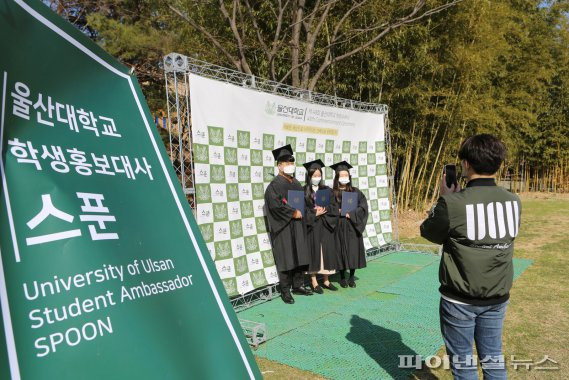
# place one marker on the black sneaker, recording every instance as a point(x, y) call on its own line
point(343, 283)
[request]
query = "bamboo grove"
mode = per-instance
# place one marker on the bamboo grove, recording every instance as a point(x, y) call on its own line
point(446, 69)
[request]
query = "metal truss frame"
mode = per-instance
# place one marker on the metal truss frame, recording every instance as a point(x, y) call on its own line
point(255, 332)
point(178, 63)
point(255, 297)
point(179, 129)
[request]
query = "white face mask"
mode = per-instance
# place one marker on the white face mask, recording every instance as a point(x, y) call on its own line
point(344, 180)
point(316, 181)
point(289, 169)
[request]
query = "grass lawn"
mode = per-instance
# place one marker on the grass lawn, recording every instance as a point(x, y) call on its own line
point(537, 320)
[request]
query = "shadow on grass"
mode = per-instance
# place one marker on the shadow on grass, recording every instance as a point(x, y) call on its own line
point(384, 346)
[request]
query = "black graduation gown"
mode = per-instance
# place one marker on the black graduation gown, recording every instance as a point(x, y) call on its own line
point(349, 236)
point(288, 235)
point(320, 233)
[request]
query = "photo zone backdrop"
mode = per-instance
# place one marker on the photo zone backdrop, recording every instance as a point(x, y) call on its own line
point(234, 130)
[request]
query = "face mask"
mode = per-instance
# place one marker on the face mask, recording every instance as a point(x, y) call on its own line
point(344, 180)
point(316, 180)
point(289, 169)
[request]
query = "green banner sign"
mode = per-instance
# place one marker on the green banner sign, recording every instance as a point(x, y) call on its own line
point(103, 270)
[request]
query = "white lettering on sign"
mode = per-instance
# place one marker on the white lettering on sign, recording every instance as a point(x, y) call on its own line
point(94, 212)
point(73, 336)
point(48, 209)
point(49, 111)
point(95, 215)
point(62, 160)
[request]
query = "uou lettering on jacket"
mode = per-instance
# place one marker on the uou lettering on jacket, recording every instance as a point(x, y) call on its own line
point(494, 220)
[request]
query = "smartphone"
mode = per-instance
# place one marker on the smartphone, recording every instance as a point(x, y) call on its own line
point(450, 171)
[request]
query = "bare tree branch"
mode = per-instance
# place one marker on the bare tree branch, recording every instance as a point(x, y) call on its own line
point(342, 20)
point(358, 33)
point(401, 21)
point(298, 12)
point(309, 19)
point(257, 29)
point(287, 74)
point(269, 51)
point(277, 40)
point(315, 10)
point(355, 6)
point(311, 36)
point(408, 19)
point(233, 59)
point(232, 20)
point(305, 28)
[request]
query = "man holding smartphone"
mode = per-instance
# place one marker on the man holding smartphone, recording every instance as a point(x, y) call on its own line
point(477, 227)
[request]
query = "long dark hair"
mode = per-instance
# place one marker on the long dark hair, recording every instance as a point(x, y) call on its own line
point(336, 188)
point(308, 185)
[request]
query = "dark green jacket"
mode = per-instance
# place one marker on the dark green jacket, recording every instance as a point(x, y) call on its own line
point(477, 227)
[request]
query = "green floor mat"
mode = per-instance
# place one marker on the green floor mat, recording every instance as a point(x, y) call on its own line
point(359, 333)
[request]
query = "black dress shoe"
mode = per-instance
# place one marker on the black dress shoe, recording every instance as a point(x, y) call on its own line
point(352, 282)
point(287, 298)
point(302, 291)
point(343, 283)
point(317, 289)
point(330, 286)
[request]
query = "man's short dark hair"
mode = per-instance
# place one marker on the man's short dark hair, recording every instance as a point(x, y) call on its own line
point(485, 153)
point(286, 159)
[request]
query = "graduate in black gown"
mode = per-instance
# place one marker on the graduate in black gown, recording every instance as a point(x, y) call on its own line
point(286, 227)
point(349, 234)
point(320, 223)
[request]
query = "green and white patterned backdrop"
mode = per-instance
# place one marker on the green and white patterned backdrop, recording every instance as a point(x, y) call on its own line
point(234, 165)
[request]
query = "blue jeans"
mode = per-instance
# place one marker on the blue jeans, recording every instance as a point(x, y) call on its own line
point(461, 325)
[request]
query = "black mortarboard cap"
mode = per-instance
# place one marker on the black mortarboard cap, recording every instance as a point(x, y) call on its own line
point(317, 164)
point(284, 153)
point(341, 166)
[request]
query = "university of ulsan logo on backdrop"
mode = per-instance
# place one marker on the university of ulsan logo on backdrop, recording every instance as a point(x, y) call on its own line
point(270, 108)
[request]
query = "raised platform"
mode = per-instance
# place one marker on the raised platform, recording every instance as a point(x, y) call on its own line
point(359, 333)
